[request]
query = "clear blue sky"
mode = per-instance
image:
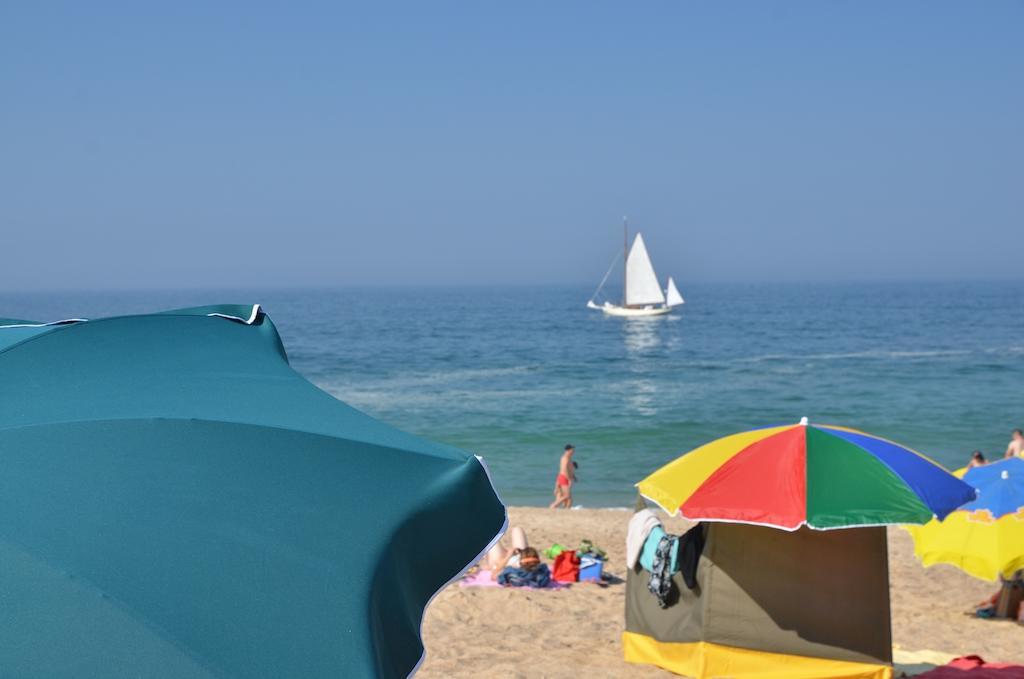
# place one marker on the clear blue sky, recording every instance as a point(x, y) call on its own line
point(211, 144)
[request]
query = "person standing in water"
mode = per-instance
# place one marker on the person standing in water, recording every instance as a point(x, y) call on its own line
point(1016, 447)
point(566, 477)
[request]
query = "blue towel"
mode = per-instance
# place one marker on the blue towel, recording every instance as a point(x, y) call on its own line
point(517, 577)
point(651, 545)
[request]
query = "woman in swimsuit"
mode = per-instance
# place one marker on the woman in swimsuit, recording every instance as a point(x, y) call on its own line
point(498, 557)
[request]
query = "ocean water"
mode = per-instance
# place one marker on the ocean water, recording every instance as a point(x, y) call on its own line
point(515, 373)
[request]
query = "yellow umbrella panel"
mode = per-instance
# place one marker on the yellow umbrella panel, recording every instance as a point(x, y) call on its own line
point(975, 542)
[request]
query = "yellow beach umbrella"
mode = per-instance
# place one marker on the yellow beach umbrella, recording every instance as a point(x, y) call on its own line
point(984, 538)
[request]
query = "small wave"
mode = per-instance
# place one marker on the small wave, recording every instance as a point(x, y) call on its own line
point(431, 378)
point(930, 354)
point(871, 354)
point(1011, 351)
point(389, 398)
point(426, 379)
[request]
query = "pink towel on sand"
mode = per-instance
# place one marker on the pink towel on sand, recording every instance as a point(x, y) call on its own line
point(481, 578)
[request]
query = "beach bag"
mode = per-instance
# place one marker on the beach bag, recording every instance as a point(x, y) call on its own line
point(588, 547)
point(567, 567)
point(1009, 600)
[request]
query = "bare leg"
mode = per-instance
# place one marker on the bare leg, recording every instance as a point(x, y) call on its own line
point(495, 555)
point(558, 498)
point(518, 537)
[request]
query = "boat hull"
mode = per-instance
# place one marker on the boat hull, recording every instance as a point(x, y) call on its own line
point(631, 312)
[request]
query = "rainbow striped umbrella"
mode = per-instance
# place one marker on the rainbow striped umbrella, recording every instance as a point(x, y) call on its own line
point(822, 476)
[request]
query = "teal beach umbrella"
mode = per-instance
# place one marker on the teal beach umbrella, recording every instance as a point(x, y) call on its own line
point(176, 501)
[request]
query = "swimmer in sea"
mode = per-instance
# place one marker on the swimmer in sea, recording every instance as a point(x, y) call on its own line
point(1016, 447)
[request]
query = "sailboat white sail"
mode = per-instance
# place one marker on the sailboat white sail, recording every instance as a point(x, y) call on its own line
point(672, 296)
point(642, 294)
point(642, 285)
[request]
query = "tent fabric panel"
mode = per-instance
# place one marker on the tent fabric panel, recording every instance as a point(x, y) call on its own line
point(927, 479)
point(672, 484)
point(780, 592)
point(704, 660)
point(237, 543)
point(763, 483)
point(811, 574)
point(683, 620)
point(879, 497)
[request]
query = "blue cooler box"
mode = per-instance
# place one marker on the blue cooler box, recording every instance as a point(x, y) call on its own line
point(590, 569)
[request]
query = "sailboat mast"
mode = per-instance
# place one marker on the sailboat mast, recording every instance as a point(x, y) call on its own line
point(625, 256)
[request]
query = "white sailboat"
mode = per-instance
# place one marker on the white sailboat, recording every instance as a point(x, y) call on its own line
point(642, 295)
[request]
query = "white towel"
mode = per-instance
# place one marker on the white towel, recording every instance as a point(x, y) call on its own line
point(640, 526)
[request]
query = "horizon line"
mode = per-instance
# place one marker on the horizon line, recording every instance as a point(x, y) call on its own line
point(488, 286)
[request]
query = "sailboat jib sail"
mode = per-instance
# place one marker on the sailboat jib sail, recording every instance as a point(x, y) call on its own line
point(642, 285)
point(642, 295)
point(672, 296)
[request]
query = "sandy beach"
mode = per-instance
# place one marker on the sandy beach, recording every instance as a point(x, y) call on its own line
point(521, 633)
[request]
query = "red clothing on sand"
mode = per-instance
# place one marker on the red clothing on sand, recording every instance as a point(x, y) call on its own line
point(973, 667)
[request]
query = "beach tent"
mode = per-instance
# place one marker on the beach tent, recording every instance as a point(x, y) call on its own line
point(176, 501)
point(770, 603)
point(778, 593)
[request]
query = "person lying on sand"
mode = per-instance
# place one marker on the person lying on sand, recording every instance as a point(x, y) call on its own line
point(498, 558)
point(529, 573)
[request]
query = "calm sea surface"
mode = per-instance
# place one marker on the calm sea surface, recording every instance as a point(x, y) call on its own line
point(515, 373)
